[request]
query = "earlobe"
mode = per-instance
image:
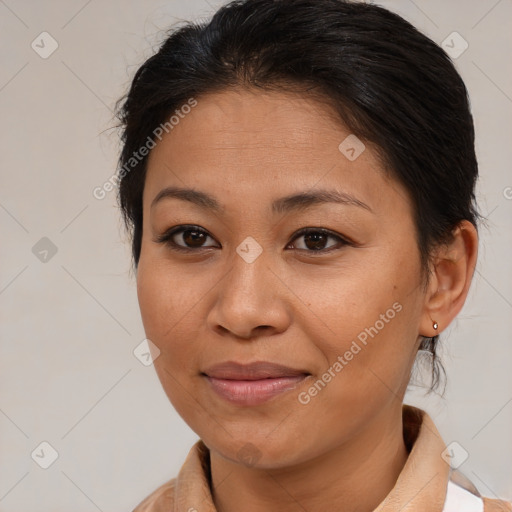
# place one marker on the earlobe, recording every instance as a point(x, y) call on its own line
point(453, 267)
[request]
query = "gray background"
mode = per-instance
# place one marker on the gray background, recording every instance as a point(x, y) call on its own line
point(69, 324)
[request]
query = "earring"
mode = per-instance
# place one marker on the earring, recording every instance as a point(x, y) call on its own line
point(435, 325)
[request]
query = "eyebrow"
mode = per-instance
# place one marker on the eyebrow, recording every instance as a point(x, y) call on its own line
point(294, 202)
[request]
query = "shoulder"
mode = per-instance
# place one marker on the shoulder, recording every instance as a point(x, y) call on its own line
point(492, 505)
point(160, 500)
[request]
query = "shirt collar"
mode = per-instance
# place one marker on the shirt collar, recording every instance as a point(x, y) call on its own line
point(420, 487)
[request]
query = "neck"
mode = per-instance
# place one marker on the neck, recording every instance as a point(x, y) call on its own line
point(337, 480)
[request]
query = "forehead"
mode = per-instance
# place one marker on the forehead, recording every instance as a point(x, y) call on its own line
point(243, 143)
point(250, 119)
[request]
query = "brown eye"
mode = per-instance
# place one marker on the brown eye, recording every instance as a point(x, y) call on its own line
point(193, 238)
point(316, 240)
point(185, 238)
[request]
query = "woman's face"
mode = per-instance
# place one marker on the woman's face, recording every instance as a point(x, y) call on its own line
point(341, 308)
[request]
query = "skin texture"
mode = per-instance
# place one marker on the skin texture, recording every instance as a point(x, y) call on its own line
point(292, 305)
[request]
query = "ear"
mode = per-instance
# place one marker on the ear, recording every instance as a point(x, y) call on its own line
point(452, 271)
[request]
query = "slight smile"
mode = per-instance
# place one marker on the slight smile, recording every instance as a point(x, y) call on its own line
point(254, 383)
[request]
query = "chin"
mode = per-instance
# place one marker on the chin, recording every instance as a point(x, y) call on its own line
point(258, 451)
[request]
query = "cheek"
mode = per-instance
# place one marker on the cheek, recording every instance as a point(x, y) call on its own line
point(368, 319)
point(366, 368)
point(172, 309)
point(168, 320)
point(164, 297)
point(161, 306)
point(154, 301)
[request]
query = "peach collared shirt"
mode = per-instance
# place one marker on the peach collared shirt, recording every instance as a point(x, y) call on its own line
point(426, 483)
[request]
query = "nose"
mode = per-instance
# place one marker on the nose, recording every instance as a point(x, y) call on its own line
point(251, 301)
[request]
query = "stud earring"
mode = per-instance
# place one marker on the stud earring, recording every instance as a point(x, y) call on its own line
point(435, 325)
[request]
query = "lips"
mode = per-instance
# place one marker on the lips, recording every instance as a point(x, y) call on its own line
point(254, 371)
point(254, 383)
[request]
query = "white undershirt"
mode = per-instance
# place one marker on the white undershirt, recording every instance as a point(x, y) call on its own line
point(461, 500)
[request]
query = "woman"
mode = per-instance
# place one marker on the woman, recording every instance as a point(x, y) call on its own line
point(298, 178)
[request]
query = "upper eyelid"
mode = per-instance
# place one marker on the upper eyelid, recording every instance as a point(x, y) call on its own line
point(341, 238)
point(168, 233)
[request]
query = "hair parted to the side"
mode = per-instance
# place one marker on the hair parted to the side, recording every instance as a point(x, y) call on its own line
point(388, 84)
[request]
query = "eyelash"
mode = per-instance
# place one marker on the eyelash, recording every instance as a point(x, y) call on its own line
point(166, 238)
